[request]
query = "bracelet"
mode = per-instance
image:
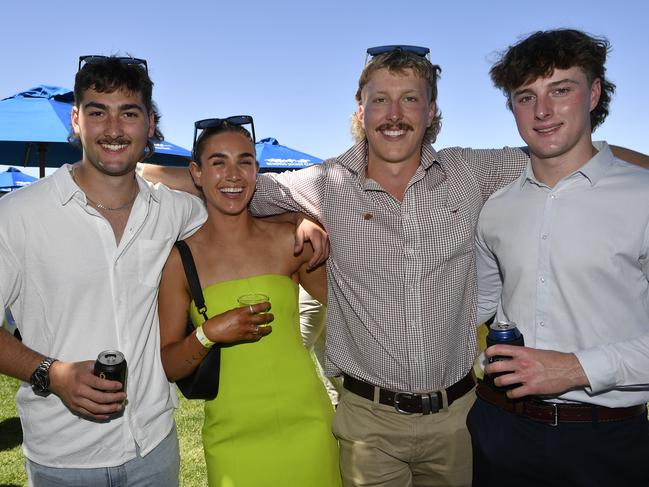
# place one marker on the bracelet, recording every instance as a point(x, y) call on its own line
point(201, 337)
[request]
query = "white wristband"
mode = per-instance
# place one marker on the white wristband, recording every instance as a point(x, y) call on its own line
point(201, 337)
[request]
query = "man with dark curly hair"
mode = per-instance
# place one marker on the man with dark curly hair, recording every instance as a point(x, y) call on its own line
point(563, 252)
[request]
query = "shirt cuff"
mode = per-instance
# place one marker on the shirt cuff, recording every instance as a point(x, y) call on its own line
point(600, 368)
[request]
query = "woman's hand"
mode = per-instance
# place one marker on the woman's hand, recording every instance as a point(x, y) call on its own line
point(245, 324)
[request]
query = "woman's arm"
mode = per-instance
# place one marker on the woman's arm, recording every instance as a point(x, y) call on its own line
point(181, 354)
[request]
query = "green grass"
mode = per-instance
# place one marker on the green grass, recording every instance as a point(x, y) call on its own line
point(189, 419)
point(12, 470)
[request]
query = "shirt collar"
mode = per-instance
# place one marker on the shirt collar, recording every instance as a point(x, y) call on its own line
point(593, 170)
point(355, 158)
point(67, 188)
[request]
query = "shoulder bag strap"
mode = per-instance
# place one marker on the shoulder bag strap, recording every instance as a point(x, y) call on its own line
point(192, 277)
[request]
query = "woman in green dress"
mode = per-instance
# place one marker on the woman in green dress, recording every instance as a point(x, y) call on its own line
point(270, 424)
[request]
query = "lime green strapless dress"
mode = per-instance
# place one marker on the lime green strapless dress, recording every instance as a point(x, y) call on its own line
point(270, 425)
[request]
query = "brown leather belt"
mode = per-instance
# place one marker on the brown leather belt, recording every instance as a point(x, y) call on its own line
point(553, 413)
point(410, 403)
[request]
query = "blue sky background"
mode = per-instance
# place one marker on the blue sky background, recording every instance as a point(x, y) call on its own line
point(294, 65)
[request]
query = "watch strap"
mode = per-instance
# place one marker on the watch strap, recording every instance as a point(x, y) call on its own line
point(40, 379)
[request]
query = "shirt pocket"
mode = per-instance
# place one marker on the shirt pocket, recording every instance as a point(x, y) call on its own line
point(152, 255)
point(451, 229)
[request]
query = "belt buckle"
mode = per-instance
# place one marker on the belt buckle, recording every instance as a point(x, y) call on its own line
point(555, 411)
point(397, 395)
point(429, 402)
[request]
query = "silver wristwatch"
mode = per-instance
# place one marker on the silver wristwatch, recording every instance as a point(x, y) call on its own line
point(40, 379)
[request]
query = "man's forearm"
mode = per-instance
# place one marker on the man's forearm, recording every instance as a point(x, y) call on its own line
point(173, 177)
point(628, 155)
point(16, 360)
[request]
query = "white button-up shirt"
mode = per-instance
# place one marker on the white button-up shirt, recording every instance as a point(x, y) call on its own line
point(74, 293)
point(570, 266)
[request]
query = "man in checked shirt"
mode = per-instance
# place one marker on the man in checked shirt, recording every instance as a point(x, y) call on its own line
point(402, 290)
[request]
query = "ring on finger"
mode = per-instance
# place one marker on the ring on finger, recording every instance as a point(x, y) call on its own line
point(250, 308)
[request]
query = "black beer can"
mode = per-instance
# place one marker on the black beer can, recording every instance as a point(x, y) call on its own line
point(111, 365)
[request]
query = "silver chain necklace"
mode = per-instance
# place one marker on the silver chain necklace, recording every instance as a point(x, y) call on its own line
point(104, 207)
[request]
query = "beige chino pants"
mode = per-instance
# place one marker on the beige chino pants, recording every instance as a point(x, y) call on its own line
point(380, 447)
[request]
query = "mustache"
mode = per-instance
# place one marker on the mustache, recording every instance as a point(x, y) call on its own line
point(395, 126)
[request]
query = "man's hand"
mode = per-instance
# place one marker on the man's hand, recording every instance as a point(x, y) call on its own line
point(539, 372)
point(306, 229)
point(83, 392)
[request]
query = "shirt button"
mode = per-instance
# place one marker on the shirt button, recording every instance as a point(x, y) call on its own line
point(542, 279)
point(544, 236)
point(541, 323)
point(552, 196)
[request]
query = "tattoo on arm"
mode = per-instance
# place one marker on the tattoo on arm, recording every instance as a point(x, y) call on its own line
point(197, 358)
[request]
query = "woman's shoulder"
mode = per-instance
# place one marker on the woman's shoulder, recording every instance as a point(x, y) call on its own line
point(275, 229)
point(279, 239)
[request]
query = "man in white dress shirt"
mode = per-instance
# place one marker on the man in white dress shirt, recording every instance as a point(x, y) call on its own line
point(563, 252)
point(81, 254)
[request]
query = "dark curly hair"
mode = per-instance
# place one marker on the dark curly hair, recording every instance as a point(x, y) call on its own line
point(539, 54)
point(109, 74)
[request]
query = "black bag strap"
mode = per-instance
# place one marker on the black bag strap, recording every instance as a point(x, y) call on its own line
point(192, 277)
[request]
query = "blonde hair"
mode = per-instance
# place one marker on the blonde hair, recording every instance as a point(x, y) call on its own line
point(398, 61)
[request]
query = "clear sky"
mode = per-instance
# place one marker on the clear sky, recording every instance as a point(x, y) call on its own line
point(294, 65)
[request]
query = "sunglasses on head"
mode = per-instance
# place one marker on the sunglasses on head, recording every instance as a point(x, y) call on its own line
point(128, 60)
point(210, 123)
point(416, 50)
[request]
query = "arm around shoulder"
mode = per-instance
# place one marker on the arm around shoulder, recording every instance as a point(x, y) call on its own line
point(628, 155)
point(297, 191)
point(174, 177)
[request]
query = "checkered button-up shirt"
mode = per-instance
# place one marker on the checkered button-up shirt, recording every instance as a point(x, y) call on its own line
point(402, 285)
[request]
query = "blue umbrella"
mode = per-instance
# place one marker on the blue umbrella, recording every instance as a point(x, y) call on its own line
point(273, 156)
point(34, 126)
point(13, 178)
point(34, 129)
point(168, 154)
